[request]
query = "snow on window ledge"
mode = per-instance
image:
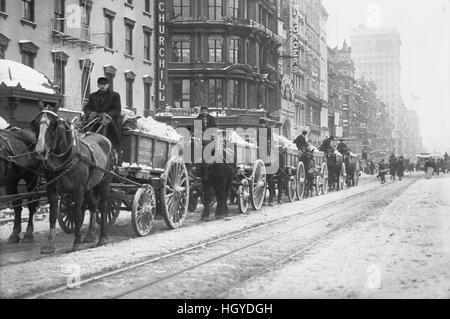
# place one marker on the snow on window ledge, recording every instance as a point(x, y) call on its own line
point(29, 23)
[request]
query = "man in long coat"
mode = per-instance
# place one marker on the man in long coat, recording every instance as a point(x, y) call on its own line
point(105, 104)
point(400, 167)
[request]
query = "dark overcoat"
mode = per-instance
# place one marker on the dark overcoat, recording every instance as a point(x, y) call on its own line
point(109, 103)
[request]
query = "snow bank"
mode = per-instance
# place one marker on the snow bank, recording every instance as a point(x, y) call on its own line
point(149, 125)
point(3, 124)
point(13, 73)
point(285, 143)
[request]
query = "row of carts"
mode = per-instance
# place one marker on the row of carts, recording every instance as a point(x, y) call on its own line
point(156, 182)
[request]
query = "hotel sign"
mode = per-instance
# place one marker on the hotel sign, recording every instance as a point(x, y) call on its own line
point(161, 54)
point(295, 42)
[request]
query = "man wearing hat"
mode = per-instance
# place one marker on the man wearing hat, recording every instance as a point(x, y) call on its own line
point(208, 121)
point(301, 141)
point(105, 104)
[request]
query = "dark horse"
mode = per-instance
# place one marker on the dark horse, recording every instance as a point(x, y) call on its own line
point(74, 165)
point(307, 158)
point(334, 163)
point(218, 177)
point(351, 167)
point(15, 142)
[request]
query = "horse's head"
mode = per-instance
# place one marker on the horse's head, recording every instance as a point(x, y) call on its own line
point(47, 129)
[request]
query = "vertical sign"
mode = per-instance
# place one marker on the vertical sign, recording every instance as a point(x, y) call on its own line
point(296, 42)
point(161, 54)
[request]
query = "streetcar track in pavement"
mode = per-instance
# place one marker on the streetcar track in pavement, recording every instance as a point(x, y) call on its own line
point(66, 248)
point(308, 212)
point(296, 254)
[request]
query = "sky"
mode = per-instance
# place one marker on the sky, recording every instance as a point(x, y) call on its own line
point(424, 27)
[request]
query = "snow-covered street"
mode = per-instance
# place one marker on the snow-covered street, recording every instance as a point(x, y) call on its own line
point(371, 241)
point(402, 251)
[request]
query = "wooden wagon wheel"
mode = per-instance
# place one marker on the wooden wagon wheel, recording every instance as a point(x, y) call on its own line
point(175, 192)
point(324, 185)
point(112, 212)
point(65, 215)
point(258, 185)
point(301, 180)
point(292, 189)
point(342, 177)
point(243, 194)
point(143, 211)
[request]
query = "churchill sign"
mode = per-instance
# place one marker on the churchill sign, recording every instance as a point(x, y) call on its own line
point(161, 54)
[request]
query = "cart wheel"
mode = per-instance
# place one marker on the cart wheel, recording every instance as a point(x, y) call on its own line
point(324, 185)
point(243, 194)
point(342, 177)
point(301, 180)
point(357, 175)
point(65, 215)
point(258, 185)
point(143, 211)
point(113, 211)
point(292, 189)
point(175, 192)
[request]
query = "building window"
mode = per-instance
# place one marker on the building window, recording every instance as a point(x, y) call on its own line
point(110, 74)
point(215, 9)
point(28, 50)
point(234, 90)
point(215, 93)
point(28, 10)
point(234, 8)
point(86, 21)
point(147, 44)
point(129, 92)
point(109, 22)
point(86, 81)
point(60, 61)
point(147, 90)
point(129, 26)
point(28, 59)
point(147, 6)
point(3, 5)
point(235, 49)
point(148, 81)
point(215, 49)
point(182, 93)
point(181, 8)
point(181, 49)
point(58, 15)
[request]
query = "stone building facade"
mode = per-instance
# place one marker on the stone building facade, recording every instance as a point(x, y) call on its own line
point(74, 42)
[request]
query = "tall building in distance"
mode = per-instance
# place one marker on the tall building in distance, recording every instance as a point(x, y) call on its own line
point(376, 54)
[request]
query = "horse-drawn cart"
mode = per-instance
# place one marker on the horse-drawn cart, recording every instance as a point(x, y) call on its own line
point(150, 180)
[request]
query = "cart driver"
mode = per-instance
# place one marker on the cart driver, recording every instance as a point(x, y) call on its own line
point(105, 105)
point(301, 141)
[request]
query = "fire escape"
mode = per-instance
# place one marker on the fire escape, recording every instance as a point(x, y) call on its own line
point(69, 34)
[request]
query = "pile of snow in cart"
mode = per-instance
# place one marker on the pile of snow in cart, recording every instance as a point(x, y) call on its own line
point(3, 124)
point(285, 143)
point(149, 125)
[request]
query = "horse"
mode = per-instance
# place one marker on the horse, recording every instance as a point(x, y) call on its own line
point(15, 142)
point(278, 180)
point(217, 177)
point(307, 158)
point(76, 165)
point(334, 163)
point(350, 167)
